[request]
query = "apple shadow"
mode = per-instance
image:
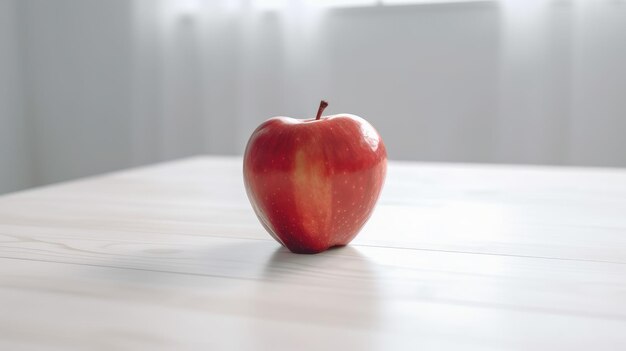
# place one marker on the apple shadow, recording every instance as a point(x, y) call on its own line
point(214, 265)
point(331, 292)
point(275, 296)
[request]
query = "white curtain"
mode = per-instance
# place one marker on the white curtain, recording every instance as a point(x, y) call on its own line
point(495, 81)
point(208, 72)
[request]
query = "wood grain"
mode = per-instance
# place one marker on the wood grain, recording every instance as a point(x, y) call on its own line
point(455, 257)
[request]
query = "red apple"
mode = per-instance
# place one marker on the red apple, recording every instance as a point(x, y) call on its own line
point(313, 183)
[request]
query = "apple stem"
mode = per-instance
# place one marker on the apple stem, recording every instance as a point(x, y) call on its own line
point(323, 105)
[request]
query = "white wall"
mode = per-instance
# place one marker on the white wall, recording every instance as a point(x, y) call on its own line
point(14, 154)
point(426, 76)
point(598, 104)
point(77, 85)
point(111, 84)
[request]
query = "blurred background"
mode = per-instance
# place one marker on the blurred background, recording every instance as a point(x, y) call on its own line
point(90, 86)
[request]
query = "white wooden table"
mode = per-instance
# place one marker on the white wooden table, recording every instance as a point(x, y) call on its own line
point(455, 257)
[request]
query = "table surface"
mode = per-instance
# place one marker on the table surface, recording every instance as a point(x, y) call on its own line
point(171, 257)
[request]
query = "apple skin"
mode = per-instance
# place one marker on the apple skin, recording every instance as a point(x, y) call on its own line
point(314, 183)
